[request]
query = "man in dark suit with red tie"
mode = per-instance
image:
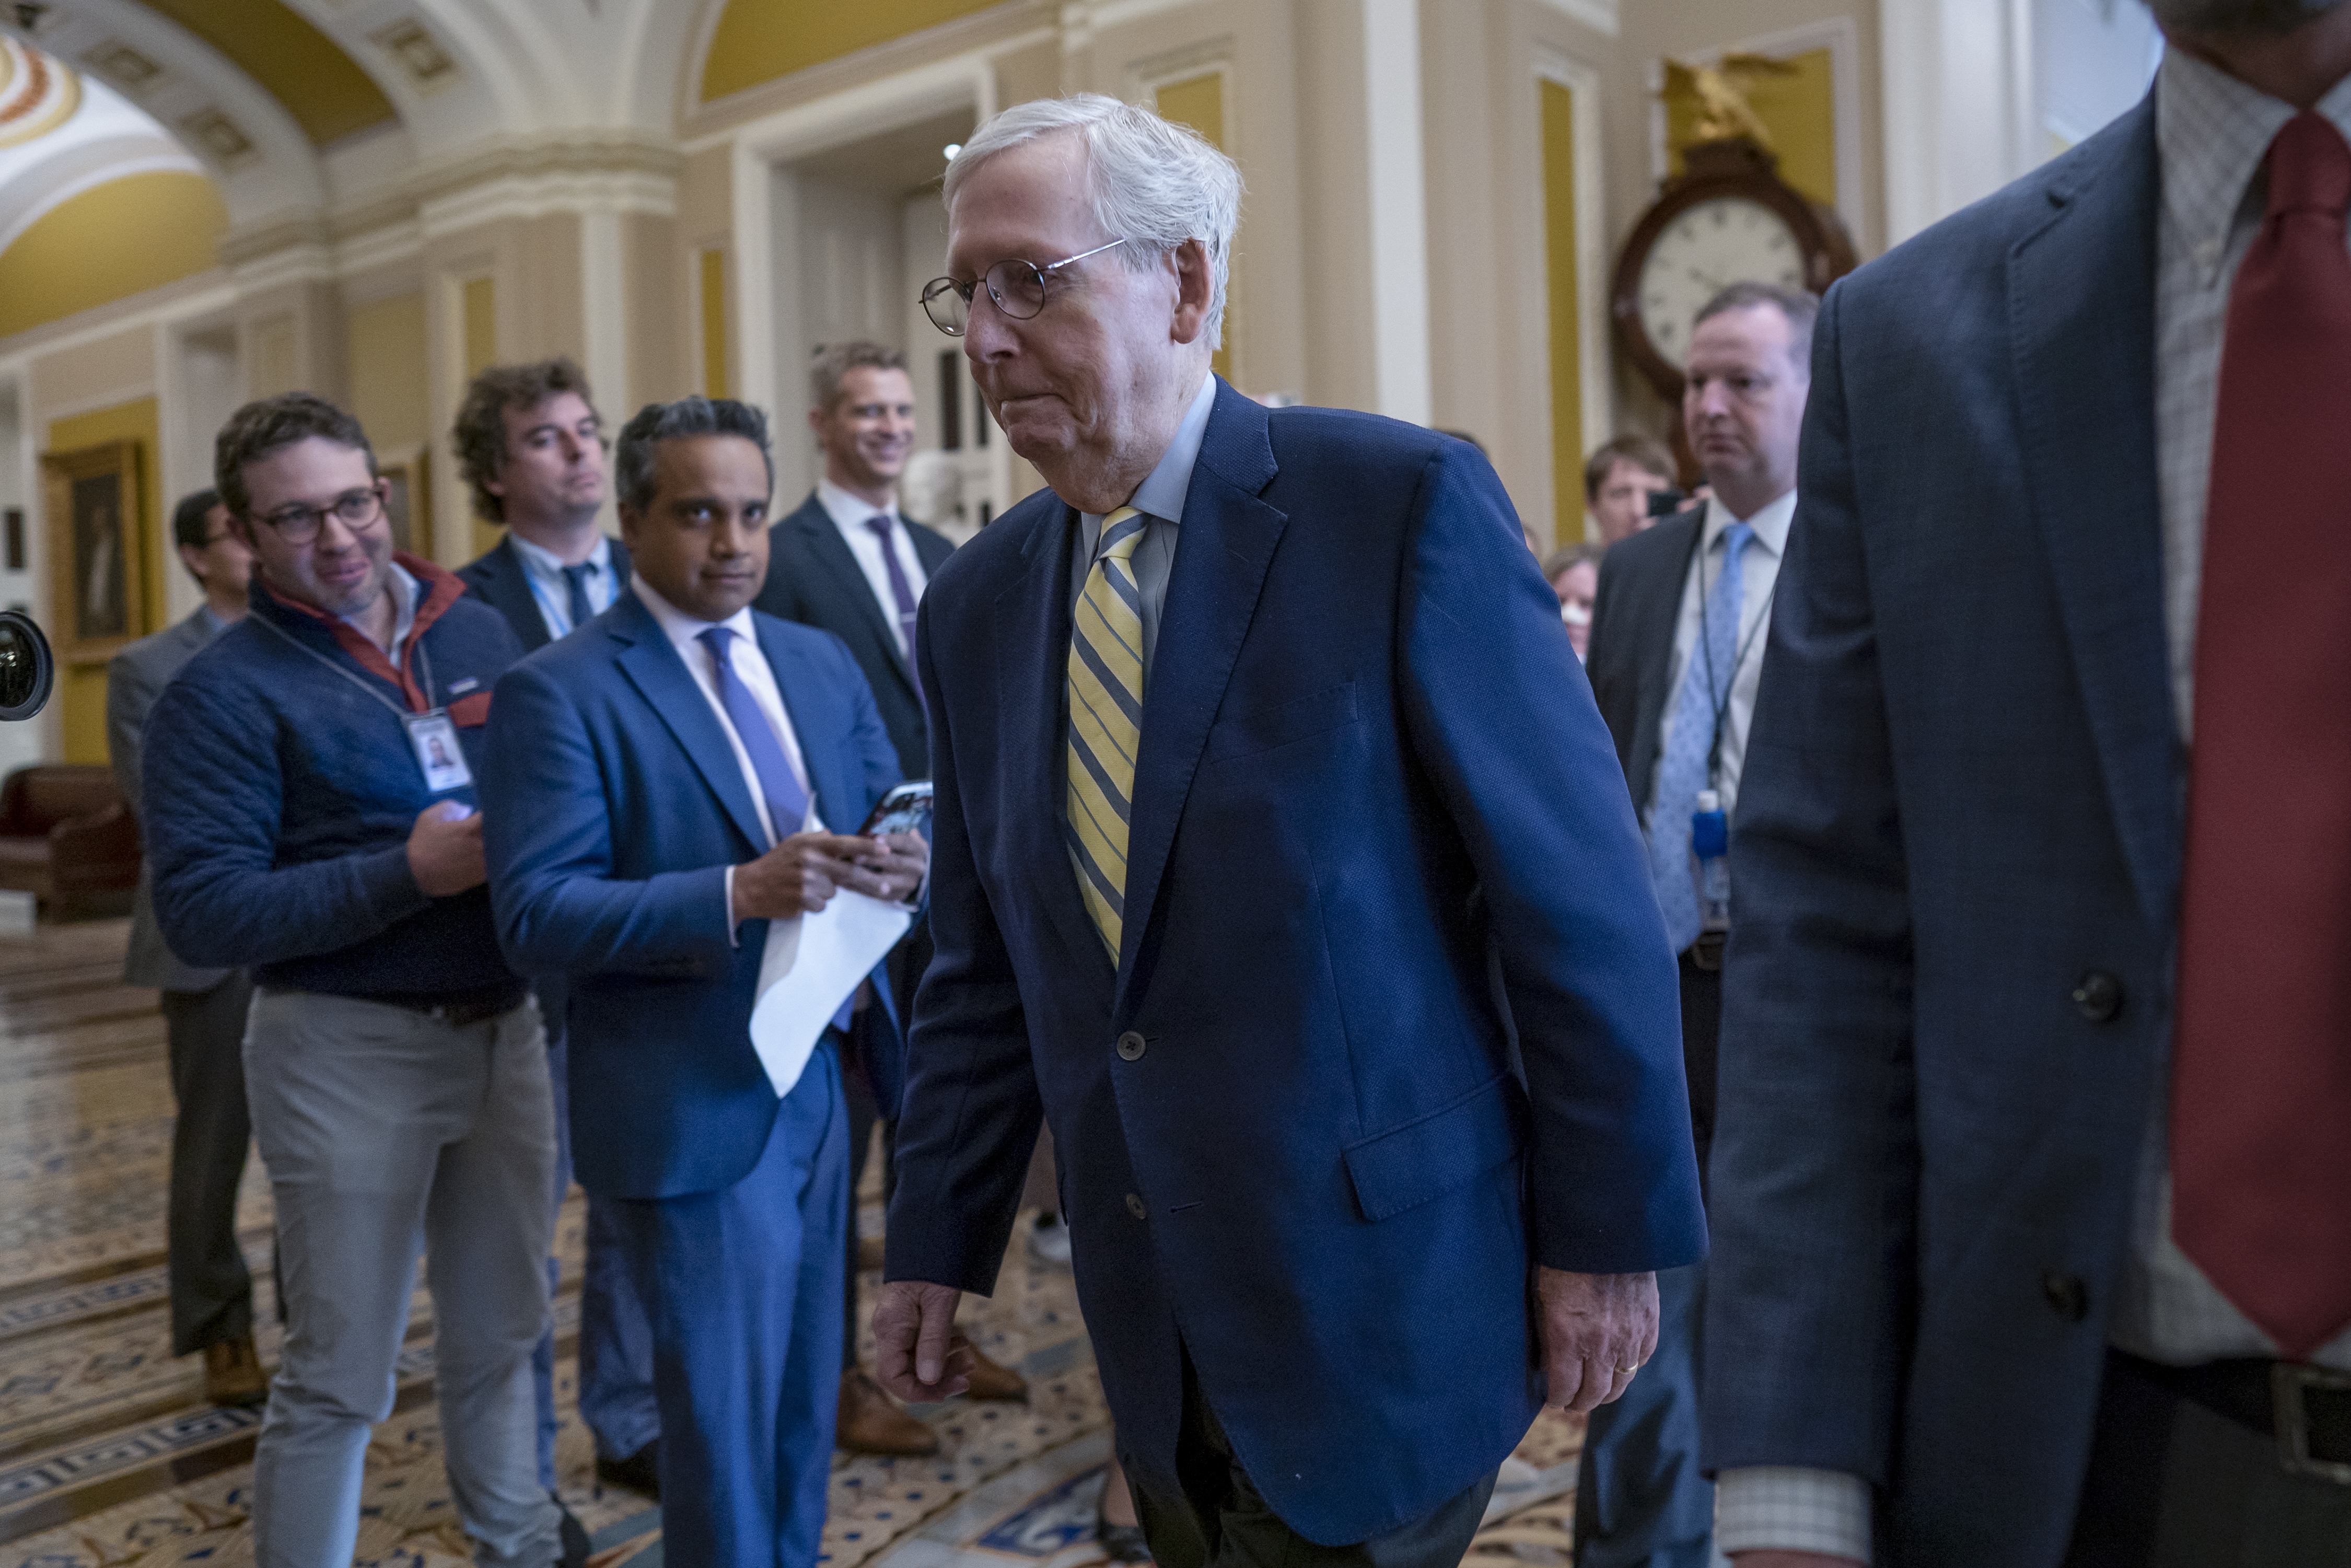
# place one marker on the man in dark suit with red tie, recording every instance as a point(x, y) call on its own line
point(2032, 1177)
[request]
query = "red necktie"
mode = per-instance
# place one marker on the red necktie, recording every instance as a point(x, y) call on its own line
point(2260, 1116)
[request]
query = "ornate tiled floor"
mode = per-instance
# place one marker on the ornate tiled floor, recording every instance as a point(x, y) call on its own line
point(111, 1458)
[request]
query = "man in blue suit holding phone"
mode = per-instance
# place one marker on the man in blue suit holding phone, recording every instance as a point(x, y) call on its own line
point(1272, 814)
point(670, 779)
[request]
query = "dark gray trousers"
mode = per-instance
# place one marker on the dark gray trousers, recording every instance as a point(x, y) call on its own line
point(2174, 1485)
point(1221, 1520)
point(211, 1292)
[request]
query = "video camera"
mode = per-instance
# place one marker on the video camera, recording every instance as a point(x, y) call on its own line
point(27, 671)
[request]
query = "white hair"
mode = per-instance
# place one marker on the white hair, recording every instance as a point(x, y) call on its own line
point(1153, 184)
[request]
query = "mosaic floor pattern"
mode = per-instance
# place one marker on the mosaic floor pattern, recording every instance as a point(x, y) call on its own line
point(110, 1456)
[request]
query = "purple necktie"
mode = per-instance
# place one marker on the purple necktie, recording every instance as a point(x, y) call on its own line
point(900, 590)
point(787, 803)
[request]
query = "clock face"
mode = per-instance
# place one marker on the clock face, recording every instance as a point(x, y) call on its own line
point(1715, 243)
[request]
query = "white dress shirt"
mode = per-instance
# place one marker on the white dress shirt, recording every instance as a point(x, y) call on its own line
point(1758, 573)
point(2213, 133)
point(543, 568)
point(401, 585)
point(849, 514)
point(750, 666)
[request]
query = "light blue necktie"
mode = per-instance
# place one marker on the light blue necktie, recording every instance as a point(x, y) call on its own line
point(1706, 682)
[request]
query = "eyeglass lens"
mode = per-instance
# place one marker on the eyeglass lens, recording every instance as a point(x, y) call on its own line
point(299, 525)
point(1018, 288)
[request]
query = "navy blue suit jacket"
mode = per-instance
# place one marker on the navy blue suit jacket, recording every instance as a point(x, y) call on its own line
point(813, 579)
point(612, 806)
point(498, 578)
point(1962, 795)
point(1377, 827)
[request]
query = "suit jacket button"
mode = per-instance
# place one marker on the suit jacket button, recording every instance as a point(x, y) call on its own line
point(2099, 996)
point(2067, 1296)
point(1134, 1207)
point(1130, 1047)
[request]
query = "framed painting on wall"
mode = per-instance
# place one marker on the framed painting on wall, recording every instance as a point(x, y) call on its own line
point(97, 563)
point(408, 502)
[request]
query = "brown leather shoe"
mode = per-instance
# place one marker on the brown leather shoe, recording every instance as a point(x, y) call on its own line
point(233, 1374)
point(990, 1381)
point(870, 1422)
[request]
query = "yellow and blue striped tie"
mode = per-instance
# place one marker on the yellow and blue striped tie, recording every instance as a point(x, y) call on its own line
point(1106, 721)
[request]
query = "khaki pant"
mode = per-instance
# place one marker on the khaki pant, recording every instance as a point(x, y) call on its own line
point(388, 1133)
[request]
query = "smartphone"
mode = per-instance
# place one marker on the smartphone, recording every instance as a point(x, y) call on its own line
point(906, 809)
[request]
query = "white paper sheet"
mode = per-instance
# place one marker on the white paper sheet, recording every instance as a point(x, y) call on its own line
point(809, 968)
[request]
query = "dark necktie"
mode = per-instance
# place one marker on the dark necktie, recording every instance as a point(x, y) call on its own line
point(575, 589)
point(787, 803)
point(900, 590)
point(2261, 1118)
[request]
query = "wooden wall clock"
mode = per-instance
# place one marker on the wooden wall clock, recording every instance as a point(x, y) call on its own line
point(1729, 219)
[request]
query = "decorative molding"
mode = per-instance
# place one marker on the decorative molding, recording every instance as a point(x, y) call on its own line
point(427, 66)
point(1592, 270)
point(1082, 21)
point(1000, 30)
point(1602, 17)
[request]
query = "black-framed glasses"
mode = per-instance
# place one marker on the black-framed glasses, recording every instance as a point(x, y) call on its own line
point(1018, 288)
point(355, 509)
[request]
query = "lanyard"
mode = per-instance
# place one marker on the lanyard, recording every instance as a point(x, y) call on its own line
point(1721, 698)
point(423, 665)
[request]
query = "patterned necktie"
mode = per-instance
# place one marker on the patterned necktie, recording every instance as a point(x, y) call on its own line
point(900, 590)
point(575, 591)
point(787, 803)
point(2261, 1115)
point(1106, 721)
point(1689, 743)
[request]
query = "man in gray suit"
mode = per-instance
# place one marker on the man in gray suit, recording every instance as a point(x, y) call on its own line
point(203, 1009)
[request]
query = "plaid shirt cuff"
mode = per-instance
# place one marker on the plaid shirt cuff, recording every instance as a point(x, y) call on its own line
point(1784, 1507)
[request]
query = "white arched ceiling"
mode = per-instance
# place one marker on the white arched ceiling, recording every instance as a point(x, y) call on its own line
point(264, 167)
point(105, 138)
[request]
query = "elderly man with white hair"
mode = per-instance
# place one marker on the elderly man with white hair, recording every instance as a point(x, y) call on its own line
point(1283, 865)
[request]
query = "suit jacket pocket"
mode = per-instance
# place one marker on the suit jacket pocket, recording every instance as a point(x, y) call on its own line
point(1428, 1156)
point(1263, 728)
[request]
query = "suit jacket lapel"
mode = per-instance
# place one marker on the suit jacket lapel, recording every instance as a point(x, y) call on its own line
point(1032, 640)
point(1225, 545)
point(2082, 310)
point(1661, 614)
point(653, 667)
point(830, 551)
point(508, 592)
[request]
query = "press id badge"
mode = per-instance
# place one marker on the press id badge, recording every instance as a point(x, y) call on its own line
point(434, 738)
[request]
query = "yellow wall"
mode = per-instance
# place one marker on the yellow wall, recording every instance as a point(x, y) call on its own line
point(1798, 110)
point(1199, 103)
point(387, 372)
point(758, 40)
point(714, 323)
point(109, 243)
point(299, 65)
point(1563, 297)
point(81, 688)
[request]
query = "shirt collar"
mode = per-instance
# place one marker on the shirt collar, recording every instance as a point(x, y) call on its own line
point(679, 627)
point(545, 563)
point(214, 624)
point(2211, 133)
point(849, 512)
point(401, 585)
point(1162, 494)
point(1770, 522)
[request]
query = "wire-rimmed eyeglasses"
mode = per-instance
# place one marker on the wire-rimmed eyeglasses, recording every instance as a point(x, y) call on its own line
point(1018, 288)
point(355, 509)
